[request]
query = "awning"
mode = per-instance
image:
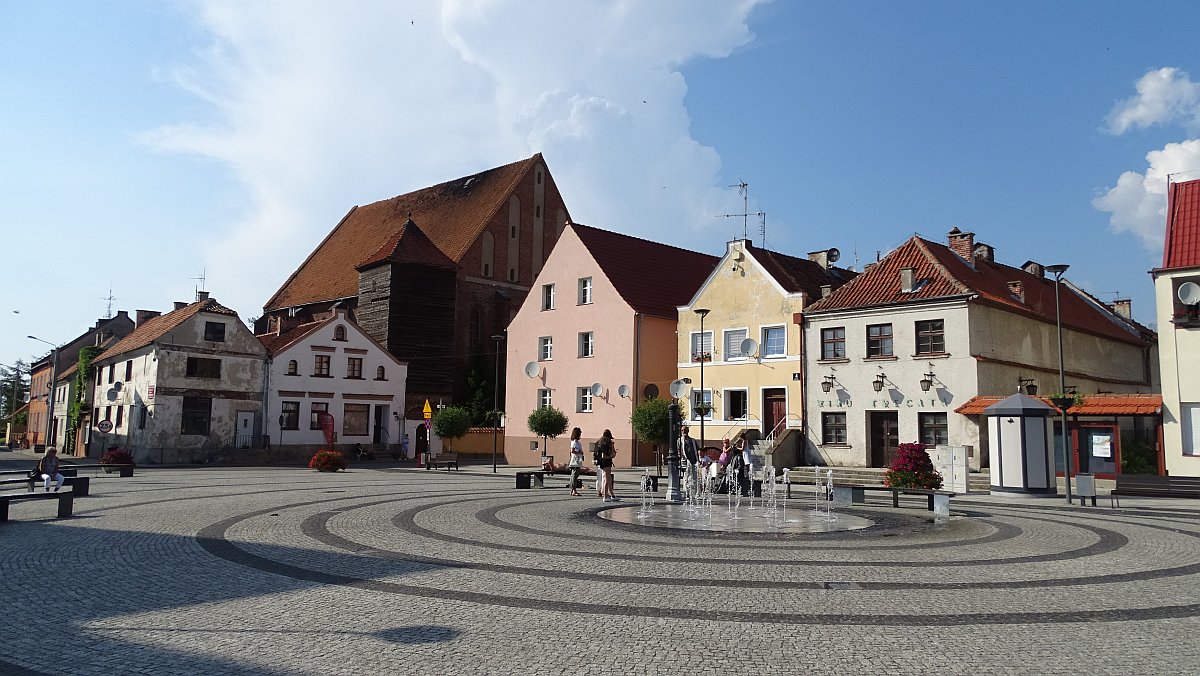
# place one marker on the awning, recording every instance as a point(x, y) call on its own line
point(1093, 404)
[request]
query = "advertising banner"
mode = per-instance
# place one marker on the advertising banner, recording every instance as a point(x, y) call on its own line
point(326, 420)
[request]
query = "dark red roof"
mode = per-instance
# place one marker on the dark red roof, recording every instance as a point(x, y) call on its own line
point(940, 273)
point(154, 328)
point(1182, 247)
point(1093, 404)
point(276, 342)
point(654, 278)
point(799, 274)
point(408, 245)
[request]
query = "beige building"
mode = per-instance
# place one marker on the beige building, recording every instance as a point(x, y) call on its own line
point(1177, 298)
point(595, 337)
point(741, 350)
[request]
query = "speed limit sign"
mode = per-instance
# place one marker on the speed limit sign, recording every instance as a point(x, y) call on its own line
point(104, 426)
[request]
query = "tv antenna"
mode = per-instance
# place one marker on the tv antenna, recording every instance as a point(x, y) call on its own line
point(110, 298)
point(201, 279)
point(744, 190)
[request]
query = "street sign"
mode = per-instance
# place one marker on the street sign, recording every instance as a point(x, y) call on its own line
point(427, 411)
point(104, 426)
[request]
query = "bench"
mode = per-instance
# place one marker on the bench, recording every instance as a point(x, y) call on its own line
point(1154, 486)
point(80, 485)
point(536, 478)
point(443, 460)
point(938, 500)
point(66, 502)
point(123, 470)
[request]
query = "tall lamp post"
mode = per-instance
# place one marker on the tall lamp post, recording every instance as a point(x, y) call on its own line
point(1062, 401)
point(702, 312)
point(53, 382)
point(496, 400)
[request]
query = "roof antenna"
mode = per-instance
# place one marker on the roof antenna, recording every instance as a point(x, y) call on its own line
point(744, 190)
point(110, 298)
point(200, 287)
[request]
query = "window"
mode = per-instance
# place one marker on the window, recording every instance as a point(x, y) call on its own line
point(201, 367)
point(702, 346)
point(289, 416)
point(879, 340)
point(108, 413)
point(774, 342)
point(545, 348)
point(111, 370)
point(583, 399)
point(355, 419)
point(833, 428)
point(547, 296)
point(314, 420)
point(380, 374)
point(99, 376)
point(585, 290)
point(586, 344)
point(293, 368)
point(321, 365)
point(833, 343)
point(702, 404)
point(736, 404)
point(214, 331)
point(933, 429)
point(196, 413)
point(128, 370)
point(1189, 416)
point(354, 367)
point(544, 399)
point(142, 415)
point(931, 337)
point(120, 416)
point(733, 343)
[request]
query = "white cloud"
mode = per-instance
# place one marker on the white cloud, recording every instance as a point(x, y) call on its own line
point(1138, 202)
point(321, 106)
point(1164, 95)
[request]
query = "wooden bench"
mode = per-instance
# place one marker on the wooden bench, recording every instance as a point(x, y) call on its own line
point(1154, 486)
point(80, 485)
point(444, 460)
point(122, 470)
point(536, 478)
point(856, 495)
point(66, 502)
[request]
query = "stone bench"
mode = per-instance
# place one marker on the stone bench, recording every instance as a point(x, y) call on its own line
point(66, 502)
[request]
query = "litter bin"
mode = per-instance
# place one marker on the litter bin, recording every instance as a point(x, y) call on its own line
point(1085, 487)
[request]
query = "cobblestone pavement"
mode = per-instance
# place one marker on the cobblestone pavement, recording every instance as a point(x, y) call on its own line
point(288, 571)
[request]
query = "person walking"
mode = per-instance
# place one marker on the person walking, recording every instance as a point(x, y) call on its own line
point(576, 462)
point(47, 467)
point(606, 450)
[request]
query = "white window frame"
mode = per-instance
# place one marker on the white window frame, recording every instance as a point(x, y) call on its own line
point(762, 344)
point(585, 290)
point(697, 396)
point(583, 400)
point(545, 397)
point(547, 297)
point(725, 398)
point(546, 348)
point(587, 344)
point(734, 354)
point(696, 345)
point(1189, 417)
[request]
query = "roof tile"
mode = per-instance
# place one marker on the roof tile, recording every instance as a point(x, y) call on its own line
point(1182, 247)
point(1093, 404)
point(154, 328)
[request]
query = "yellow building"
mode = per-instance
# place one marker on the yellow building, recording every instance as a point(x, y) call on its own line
point(741, 344)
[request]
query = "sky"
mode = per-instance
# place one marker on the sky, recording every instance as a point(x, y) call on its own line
point(146, 144)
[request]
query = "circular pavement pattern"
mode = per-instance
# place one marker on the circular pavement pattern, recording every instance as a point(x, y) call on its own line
point(286, 571)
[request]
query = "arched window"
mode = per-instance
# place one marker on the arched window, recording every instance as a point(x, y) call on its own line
point(293, 368)
point(379, 374)
point(339, 333)
point(488, 242)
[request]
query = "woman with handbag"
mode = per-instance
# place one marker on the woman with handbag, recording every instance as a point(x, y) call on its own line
point(576, 462)
point(606, 450)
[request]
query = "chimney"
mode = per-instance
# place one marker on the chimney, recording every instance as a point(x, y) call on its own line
point(820, 258)
point(963, 244)
point(826, 289)
point(1017, 289)
point(144, 315)
point(906, 280)
point(1034, 268)
point(201, 295)
point(986, 252)
point(179, 305)
point(1123, 307)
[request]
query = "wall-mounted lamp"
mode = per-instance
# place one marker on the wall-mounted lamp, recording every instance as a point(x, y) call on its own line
point(927, 382)
point(1027, 385)
point(880, 379)
point(827, 383)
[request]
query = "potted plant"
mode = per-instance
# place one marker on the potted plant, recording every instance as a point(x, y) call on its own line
point(327, 461)
point(117, 459)
point(912, 468)
point(703, 410)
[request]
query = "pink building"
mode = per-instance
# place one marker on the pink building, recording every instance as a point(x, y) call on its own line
point(595, 337)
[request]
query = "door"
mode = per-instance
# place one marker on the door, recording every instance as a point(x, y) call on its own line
point(774, 410)
point(422, 446)
point(885, 437)
point(380, 421)
point(244, 437)
point(1098, 449)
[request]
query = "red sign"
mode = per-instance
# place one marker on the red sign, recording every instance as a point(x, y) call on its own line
point(149, 393)
point(326, 421)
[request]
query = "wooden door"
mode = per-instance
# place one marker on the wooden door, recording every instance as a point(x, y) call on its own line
point(885, 437)
point(774, 409)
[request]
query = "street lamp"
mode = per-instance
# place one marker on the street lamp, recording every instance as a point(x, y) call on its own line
point(495, 400)
point(1062, 401)
point(53, 382)
point(703, 312)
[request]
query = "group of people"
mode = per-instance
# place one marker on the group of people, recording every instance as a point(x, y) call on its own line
point(733, 457)
point(602, 456)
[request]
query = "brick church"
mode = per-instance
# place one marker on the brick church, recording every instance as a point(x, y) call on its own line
point(432, 274)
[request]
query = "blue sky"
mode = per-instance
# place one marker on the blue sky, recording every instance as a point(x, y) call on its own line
point(146, 142)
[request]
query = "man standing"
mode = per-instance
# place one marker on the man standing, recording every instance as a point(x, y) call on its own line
point(691, 453)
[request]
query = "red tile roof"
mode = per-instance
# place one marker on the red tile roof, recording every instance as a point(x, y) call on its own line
point(1182, 247)
point(452, 214)
point(409, 245)
point(1093, 404)
point(653, 278)
point(277, 342)
point(941, 273)
point(154, 328)
point(799, 274)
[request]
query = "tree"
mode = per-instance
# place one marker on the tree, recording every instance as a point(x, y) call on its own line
point(651, 421)
point(451, 422)
point(479, 390)
point(547, 422)
point(13, 387)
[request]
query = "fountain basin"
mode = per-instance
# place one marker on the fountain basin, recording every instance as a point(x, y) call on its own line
point(742, 520)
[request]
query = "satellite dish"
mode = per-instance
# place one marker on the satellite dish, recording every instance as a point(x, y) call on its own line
point(531, 369)
point(1189, 293)
point(25, 398)
point(118, 386)
point(111, 394)
point(623, 391)
point(748, 347)
point(677, 388)
point(597, 389)
point(651, 391)
point(833, 255)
